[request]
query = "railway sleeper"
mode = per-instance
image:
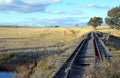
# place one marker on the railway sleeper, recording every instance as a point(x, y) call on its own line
point(86, 56)
point(85, 60)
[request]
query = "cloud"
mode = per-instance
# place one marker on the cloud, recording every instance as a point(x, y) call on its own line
point(63, 21)
point(55, 12)
point(8, 1)
point(77, 12)
point(5, 1)
point(90, 5)
point(26, 6)
point(42, 1)
point(71, 12)
point(97, 6)
point(66, 21)
point(70, 4)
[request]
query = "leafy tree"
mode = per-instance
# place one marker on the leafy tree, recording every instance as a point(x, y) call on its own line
point(113, 18)
point(109, 22)
point(96, 21)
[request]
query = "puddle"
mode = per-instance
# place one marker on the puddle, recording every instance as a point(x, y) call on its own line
point(7, 74)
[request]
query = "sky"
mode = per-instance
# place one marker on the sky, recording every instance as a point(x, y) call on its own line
point(53, 12)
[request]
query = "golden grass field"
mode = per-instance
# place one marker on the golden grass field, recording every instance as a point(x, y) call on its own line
point(107, 29)
point(49, 47)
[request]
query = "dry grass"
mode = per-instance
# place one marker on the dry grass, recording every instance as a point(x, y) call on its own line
point(107, 29)
point(46, 46)
point(49, 47)
point(109, 69)
point(113, 43)
point(105, 70)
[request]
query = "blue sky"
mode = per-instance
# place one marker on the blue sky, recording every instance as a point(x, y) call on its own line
point(53, 12)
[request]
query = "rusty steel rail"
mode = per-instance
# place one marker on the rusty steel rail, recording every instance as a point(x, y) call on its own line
point(70, 66)
point(75, 52)
point(70, 60)
point(98, 57)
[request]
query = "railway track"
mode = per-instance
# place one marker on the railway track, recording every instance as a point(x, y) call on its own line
point(89, 52)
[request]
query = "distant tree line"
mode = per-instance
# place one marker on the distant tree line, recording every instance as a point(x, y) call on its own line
point(112, 19)
point(56, 26)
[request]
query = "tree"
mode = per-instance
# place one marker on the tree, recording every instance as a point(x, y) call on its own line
point(113, 19)
point(56, 26)
point(76, 25)
point(109, 22)
point(96, 21)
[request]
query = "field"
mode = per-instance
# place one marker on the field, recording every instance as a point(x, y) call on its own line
point(113, 43)
point(109, 69)
point(39, 52)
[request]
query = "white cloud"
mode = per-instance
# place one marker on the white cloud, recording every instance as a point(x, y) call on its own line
point(63, 21)
point(97, 6)
point(26, 6)
point(5, 1)
point(90, 5)
point(42, 1)
point(8, 1)
point(55, 12)
point(32, 1)
point(14, 12)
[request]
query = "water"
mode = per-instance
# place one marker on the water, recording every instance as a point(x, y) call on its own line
point(7, 74)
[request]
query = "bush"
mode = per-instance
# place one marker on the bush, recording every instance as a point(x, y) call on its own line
point(106, 70)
